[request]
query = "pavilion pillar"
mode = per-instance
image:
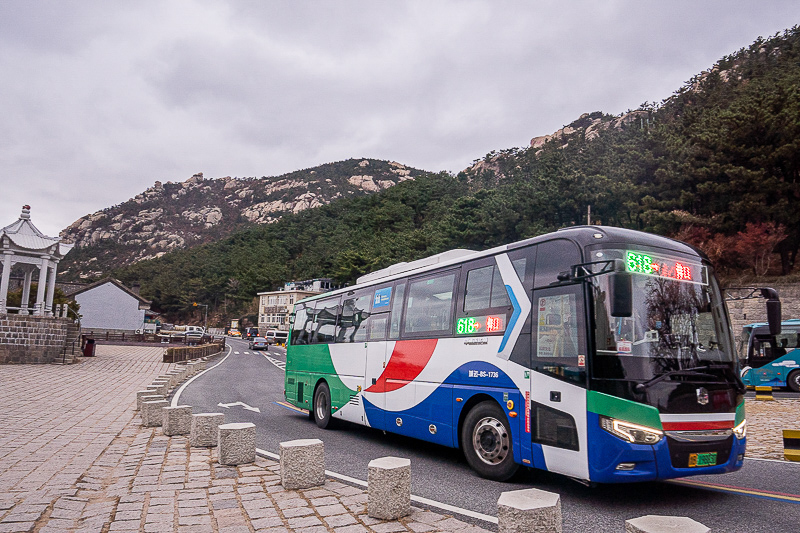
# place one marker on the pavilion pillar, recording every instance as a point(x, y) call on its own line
point(39, 309)
point(4, 281)
point(51, 287)
point(26, 291)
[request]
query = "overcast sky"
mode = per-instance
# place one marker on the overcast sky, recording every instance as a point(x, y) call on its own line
point(98, 100)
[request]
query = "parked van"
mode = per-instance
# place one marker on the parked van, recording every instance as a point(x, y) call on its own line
point(277, 338)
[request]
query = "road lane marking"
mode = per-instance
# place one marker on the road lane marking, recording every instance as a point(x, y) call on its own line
point(291, 407)
point(719, 487)
point(237, 353)
point(229, 405)
point(278, 363)
point(177, 395)
point(418, 499)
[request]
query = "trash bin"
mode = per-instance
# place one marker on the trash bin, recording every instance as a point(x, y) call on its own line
point(88, 349)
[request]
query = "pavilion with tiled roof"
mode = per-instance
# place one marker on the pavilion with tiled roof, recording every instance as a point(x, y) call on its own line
point(24, 246)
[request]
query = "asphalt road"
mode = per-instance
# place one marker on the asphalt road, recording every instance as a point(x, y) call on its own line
point(763, 496)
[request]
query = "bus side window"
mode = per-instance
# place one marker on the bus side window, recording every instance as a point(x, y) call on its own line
point(301, 329)
point(397, 310)
point(377, 327)
point(559, 336)
point(354, 317)
point(325, 317)
point(429, 306)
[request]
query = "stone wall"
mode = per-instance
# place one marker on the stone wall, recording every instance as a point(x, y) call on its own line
point(29, 339)
point(748, 311)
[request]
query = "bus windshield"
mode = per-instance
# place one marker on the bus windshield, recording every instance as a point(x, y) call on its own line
point(678, 322)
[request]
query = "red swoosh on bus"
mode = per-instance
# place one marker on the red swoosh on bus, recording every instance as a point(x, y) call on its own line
point(406, 362)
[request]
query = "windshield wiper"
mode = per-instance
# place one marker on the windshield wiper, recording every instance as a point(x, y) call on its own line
point(641, 387)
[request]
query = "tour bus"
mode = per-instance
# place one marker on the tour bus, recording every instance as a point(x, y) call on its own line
point(768, 359)
point(600, 353)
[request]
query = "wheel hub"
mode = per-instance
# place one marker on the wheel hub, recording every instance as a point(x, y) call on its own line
point(490, 440)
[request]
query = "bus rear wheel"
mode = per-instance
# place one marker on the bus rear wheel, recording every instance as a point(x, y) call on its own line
point(793, 381)
point(322, 405)
point(486, 441)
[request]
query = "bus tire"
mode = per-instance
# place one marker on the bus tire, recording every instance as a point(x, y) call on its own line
point(322, 405)
point(793, 381)
point(486, 441)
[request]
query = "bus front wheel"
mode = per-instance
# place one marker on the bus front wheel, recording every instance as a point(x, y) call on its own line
point(322, 405)
point(793, 381)
point(486, 441)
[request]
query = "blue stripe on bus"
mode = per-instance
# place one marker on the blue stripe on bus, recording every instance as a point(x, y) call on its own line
point(513, 320)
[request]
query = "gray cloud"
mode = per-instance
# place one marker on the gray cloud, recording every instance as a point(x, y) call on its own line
point(100, 99)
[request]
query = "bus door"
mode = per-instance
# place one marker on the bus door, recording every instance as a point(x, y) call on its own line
point(557, 411)
point(349, 352)
point(377, 353)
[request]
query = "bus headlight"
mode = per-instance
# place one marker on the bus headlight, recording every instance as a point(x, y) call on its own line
point(741, 430)
point(631, 432)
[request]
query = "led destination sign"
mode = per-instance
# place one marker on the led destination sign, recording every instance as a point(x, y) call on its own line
point(480, 324)
point(642, 263)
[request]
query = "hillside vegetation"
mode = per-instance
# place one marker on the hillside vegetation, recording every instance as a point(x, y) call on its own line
point(172, 216)
point(716, 164)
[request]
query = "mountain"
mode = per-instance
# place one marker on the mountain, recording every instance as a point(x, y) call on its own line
point(172, 216)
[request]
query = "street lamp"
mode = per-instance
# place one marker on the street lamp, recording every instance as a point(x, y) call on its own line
point(205, 316)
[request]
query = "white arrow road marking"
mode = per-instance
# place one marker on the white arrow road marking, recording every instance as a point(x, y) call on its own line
point(229, 405)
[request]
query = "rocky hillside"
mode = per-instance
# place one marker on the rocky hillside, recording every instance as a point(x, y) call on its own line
point(175, 215)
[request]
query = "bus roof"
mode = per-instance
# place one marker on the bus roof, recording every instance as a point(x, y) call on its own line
point(581, 235)
point(787, 322)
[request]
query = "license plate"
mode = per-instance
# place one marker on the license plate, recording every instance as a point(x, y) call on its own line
point(702, 459)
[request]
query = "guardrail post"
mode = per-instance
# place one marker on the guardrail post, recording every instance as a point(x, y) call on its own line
point(302, 463)
point(389, 488)
point(527, 510)
point(661, 524)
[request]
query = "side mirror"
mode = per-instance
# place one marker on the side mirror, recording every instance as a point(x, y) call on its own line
point(774, 316)
point(621, 294)
point(773, 310)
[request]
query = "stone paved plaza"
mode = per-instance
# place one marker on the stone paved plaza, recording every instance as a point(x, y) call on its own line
point(74, 457)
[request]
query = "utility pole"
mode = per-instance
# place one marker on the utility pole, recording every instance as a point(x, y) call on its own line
point(589, 216)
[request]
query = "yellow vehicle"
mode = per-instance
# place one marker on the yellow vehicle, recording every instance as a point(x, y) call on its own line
point(234, 333)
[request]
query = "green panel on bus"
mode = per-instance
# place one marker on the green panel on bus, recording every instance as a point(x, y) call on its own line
point(739, 414)
point(315, 362)
point(621, 409)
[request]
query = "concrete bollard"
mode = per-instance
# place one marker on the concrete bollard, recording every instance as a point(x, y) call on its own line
point(529, 510)
point(163, 387)
point(237, 443)
point(174, 379)
point(204, 429)
point(177, 420)
point(389, 487)
point(664, 524)
point(151, 413)
point(302, 463)
point(142, 394)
